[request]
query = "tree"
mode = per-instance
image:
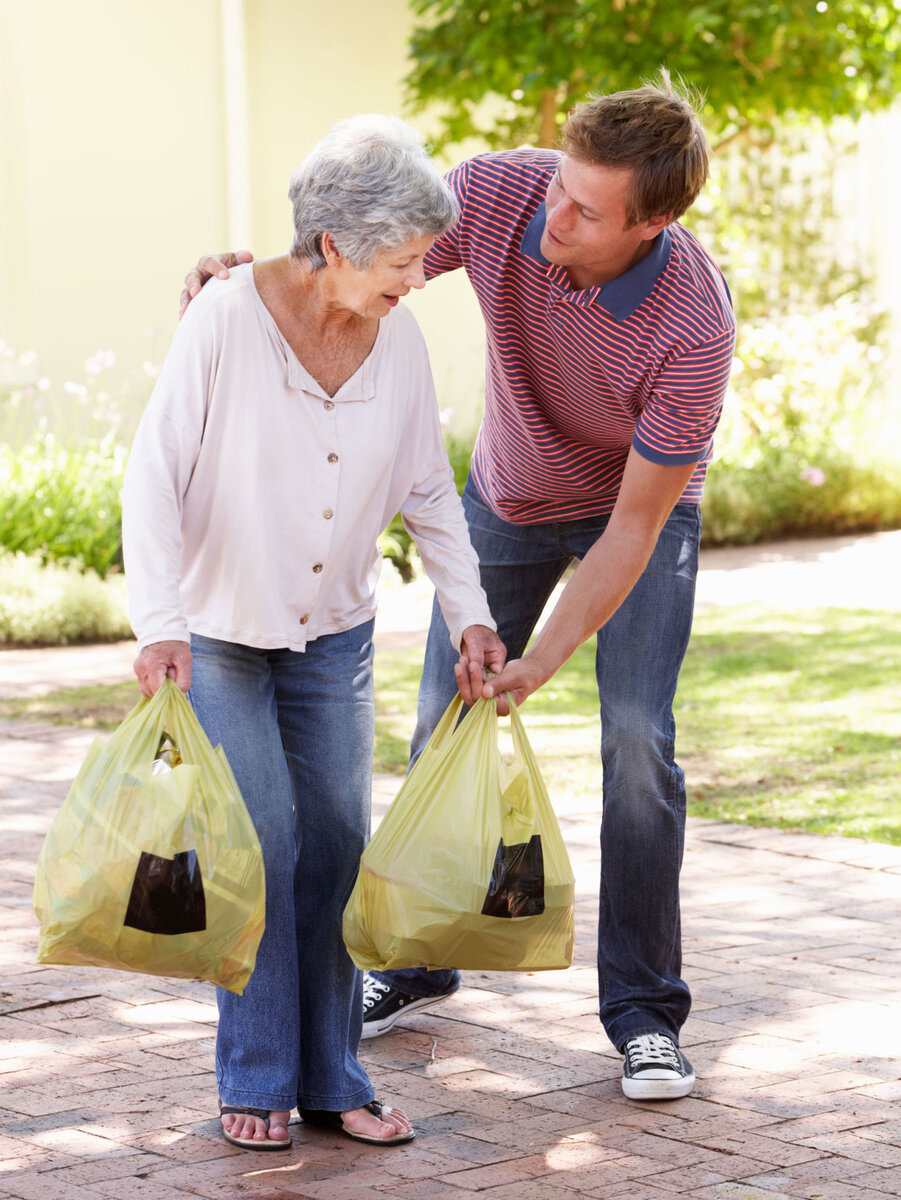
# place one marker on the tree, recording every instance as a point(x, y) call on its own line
point(753, 60)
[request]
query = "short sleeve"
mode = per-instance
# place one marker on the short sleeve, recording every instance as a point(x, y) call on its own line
point(446, 255)
point(678, 422)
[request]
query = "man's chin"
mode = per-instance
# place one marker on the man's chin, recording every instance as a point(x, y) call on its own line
point(553, 251)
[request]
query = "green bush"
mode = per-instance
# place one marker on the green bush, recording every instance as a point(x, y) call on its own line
point(53, 604)
point(769, 219)
point(63, 502)
point(808, 444)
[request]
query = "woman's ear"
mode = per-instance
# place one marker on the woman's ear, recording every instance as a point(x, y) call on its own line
point(330, 251)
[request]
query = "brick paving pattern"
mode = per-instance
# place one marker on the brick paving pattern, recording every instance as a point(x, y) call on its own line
point(792, 950)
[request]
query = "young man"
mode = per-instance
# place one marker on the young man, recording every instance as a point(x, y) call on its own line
point(610, 336)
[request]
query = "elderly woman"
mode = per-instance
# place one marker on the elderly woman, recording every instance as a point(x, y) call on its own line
point(294, 415)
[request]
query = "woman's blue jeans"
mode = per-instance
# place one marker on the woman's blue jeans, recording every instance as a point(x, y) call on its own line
point(639, 654)
point(297, 729)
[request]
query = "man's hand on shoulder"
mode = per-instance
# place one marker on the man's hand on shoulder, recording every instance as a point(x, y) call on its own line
point(208, 266)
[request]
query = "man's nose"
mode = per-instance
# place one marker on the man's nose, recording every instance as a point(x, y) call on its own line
point(562, 213)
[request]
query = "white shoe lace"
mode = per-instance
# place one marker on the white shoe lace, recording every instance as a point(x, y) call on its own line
point(654, 1048)
point(373, 990)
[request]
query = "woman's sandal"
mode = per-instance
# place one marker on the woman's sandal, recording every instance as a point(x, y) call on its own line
point(252, 1143)
point(334, 1120)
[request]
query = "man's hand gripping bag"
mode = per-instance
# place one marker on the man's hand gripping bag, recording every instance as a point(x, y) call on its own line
point(467, 868)
point(153, 864)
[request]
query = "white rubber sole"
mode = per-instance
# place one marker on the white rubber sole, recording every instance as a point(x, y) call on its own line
point(658, 1089)
point(373, 1029)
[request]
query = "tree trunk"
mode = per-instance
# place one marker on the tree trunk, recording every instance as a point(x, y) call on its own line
point(547, 118)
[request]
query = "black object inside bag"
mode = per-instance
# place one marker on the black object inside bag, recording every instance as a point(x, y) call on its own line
point(516, 888)
point(167, 895)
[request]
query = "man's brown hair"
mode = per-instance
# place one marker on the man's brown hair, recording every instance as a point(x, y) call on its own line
point(656, 131)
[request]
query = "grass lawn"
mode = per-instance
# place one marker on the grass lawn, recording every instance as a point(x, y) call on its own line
point(784, 718)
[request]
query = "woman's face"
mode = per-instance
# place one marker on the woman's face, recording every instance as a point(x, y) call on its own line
point(374, 292)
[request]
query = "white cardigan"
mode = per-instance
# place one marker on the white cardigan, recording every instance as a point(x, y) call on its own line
point(253, 500)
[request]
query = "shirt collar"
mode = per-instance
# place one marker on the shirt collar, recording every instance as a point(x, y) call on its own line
point(360, 386)
point(621, 296)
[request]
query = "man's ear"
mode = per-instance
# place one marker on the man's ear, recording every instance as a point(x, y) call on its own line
point(654, 225)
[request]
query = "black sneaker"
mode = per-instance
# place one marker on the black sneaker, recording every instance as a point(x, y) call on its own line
point(654, 1068)
point(383, 1005)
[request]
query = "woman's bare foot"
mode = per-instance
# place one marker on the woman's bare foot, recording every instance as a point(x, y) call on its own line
point(394, 1121)
point(245, 1127)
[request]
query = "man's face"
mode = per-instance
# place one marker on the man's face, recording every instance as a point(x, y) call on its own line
point(585, 229)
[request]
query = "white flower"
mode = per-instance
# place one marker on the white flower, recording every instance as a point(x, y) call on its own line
point(99, 362)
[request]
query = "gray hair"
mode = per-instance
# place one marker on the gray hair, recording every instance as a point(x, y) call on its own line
point(371, 184)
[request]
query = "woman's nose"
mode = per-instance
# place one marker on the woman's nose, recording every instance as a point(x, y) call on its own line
point(415, 277)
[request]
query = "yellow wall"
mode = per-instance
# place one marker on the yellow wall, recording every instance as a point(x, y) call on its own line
point(113, 152)
point(116, 147)
point(300, 82)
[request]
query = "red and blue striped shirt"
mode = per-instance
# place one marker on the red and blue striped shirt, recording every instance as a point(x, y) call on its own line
point(574, 378)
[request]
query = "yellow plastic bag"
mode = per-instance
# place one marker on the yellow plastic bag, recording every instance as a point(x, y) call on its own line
point(154, 867)
point(467, 868)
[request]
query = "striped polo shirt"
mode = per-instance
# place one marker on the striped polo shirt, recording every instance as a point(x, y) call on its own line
point(574, 378)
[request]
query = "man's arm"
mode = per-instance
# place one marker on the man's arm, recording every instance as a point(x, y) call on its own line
point(207, 267)
point(602, 580)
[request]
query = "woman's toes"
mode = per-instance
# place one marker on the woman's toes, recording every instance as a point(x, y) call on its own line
point(361, 1120)
point(278, 1126)
point(238, 1125)
point(250, 1128)
point(396, 1117)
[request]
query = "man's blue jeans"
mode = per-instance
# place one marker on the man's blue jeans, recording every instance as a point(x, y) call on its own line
point(297, 730)
point(639, 654)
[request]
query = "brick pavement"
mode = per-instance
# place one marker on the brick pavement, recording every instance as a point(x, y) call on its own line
point(792, 949)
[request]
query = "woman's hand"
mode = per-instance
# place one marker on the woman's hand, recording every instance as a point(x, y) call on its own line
point(480, 649)
point(207, 267)
point(160, 660)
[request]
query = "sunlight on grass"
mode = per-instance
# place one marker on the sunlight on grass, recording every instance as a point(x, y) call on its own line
point(807, 727)
point(102, 706)
point(784, 718)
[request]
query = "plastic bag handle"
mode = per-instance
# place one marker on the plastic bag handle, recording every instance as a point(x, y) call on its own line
point(440, 740)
